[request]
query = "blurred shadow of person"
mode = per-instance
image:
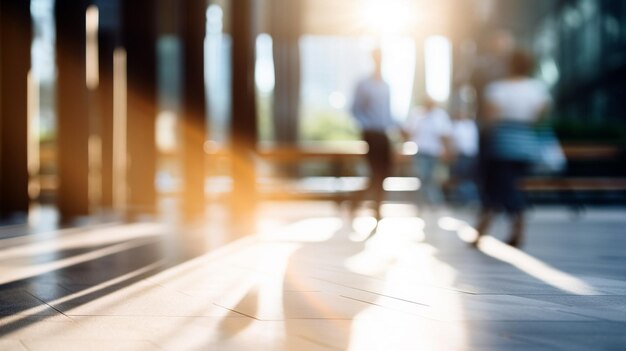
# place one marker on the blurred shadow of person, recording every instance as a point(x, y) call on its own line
point(429, 127)
point(514, 105)
point(372, 110)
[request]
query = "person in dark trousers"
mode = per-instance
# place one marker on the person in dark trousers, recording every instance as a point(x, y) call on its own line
point(514, 104)
point(491, 66)
point(372, 111)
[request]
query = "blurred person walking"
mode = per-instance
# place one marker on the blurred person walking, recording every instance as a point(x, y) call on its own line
point(491, 66)
point(513, 106)
point(429, 127)
point(372, 110)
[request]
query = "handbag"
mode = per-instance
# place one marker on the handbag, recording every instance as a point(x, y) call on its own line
point(551, 158)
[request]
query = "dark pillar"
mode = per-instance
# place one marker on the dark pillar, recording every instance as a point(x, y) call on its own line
point(72, 110)
point(244, 122)
point(193, 115)
point(15, 42)
point(108, 40)
point(285, 31)
point(139, 22)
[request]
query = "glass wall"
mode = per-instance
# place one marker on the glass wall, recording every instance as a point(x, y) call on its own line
point(331, 68)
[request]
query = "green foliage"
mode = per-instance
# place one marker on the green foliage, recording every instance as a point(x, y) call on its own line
point(264, 117)
point(328, 125)
point(592, 132)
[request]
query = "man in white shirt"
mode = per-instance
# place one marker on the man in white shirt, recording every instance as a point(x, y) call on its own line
point(430, 128)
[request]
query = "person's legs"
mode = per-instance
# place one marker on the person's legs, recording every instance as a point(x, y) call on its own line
point(464, 169)
point(484, 221)
point(515, 202)
point(359, 196)
point(379, 161)
point(490, 195)
point(517, 229)
point(429, 192)
point(381, 169)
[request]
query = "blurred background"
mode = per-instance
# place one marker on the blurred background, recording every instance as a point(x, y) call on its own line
point(120, 109)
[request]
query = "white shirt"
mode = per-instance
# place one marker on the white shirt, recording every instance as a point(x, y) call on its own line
point(427, 128)
point(517, 100)
point(465, 137)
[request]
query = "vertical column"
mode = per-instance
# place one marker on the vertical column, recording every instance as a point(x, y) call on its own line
point(419, 82)
point(108, 36)
point(244, 121)
point(193, 105)
point(15, 42)
point(72, 110)
point(139, 22)
point(285, 32)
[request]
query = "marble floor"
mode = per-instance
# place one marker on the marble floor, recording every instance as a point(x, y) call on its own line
point(308, 280)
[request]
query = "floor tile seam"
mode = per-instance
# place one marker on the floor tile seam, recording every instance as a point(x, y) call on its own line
point(562, 295)
point(237, 312)
point(581, 314)
point(380, 279)
point(560, 321)
point(525, 320)
point(558, 308)
point(24, 345)
point(47, 304)
point(30, 315)
point(404, 312)
point(461, 292)
point(56, 338)
point(152, 316)
point(306, 319)
point(393, 297)
point(525, 340)
point(317, 342)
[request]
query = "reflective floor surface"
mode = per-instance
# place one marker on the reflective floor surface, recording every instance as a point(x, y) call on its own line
point(309, 281)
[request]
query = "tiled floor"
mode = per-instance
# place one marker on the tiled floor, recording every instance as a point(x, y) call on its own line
point(308, 281)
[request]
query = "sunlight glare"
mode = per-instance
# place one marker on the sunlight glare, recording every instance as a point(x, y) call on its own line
point(389, 17)
point(306, 230)
point(519, 259)
point(438, 51)
point(362, 227)
point(535, 267)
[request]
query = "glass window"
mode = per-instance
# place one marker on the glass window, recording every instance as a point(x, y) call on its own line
point(331, 68)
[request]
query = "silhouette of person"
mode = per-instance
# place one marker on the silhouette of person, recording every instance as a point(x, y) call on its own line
point(489, 67)
point(513, 106)
point(372, 110)
point(429, 126)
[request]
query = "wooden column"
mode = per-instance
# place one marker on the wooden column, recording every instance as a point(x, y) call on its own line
point(108, 40)
point(193, 106)
point(72, 110)
point(139, 22)
point(244, 121)
point(15, 44)
point(285, 31)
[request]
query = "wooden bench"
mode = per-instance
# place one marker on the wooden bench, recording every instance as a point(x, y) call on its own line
point(340, 182)
point(342, 157)
point(576, 190)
